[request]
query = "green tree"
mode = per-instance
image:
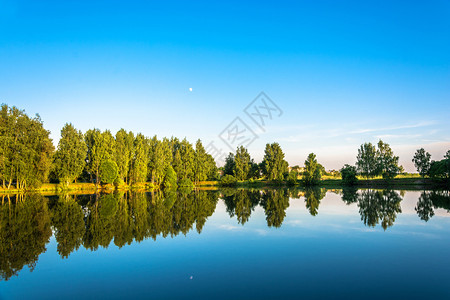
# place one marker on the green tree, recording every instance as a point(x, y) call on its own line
point(241, 163)
point(200, 162)
point(139, 163)
point(27, 150)
point(422, 161)
point(440, 169)
point(313, 171)
point(366, 160)
point(170, 178)
point(228, 168)
point(348, 174)
point(292, 177)
point(123, 153)
point(108, 171)
point(93, 139)
point(187, 154)
point(160, 157)
point(387, 162)
point(274, 164)
point(69, 160)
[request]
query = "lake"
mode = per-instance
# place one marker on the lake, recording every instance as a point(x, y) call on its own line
point(227, 244)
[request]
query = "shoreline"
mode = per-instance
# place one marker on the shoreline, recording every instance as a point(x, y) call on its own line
point(90, 188)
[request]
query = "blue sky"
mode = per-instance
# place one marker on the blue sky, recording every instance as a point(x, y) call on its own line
point(342, 73)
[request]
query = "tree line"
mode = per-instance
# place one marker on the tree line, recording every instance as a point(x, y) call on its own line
point(28, 157)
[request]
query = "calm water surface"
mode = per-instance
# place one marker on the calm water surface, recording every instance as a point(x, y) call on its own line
point(228, 244)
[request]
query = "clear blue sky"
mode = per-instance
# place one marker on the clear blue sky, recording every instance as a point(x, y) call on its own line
point(343, 72)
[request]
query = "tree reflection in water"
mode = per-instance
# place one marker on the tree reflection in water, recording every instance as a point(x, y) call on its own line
point(93, 221)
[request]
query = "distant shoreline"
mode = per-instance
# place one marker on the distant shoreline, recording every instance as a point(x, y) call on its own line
point(90, 188)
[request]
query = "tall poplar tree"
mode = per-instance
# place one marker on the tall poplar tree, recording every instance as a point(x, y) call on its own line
point(70, 156)
point(241, 163)
point(274, 164)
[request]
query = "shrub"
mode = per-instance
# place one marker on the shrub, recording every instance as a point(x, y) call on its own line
point(185, 182)
point(108, 171)
point(348, 174)
point(228, 180)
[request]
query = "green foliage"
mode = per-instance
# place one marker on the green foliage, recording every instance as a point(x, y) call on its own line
point(118, 181)
point(25, 231)
point(228, 180)
point(26, 151)
point(69, 159)
point(274, 165)
point(170, 178)
point(241, 163)
point(187, 154)
point(108, 171)
point(422, 161)
point(387, 163)
point(440, 169)
point(139, 162)
point(160, 157)
point(200, 166)
point(366, 160)
point(313, 170)
point(348, 174)
point(275, 203)
point(372, 162)
point(313, 196)
point(185, 182)
point(228, 169)
point(123, 153)
point(292, 178)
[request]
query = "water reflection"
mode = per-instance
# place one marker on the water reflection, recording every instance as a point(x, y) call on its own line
point(379, 206)
point(24, 232)
point(431, 200)
point(93, 221)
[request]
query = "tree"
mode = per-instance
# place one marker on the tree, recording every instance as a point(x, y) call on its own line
point(108, 171)
point(139, 163)
point(348, 174)
point(228, 169)
point(292, 177)
point(313, 172)
point(93, 139)
point(123, 153)
point(274, 164)
point(241, 163)
point(367, 161)
point(70, 157)
point(422, 161)
point(27, 150)
point(170, 178)
point(187, 154)
point(440, 169)
point(160, 157)
point(387, 163)
point(200, 162)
